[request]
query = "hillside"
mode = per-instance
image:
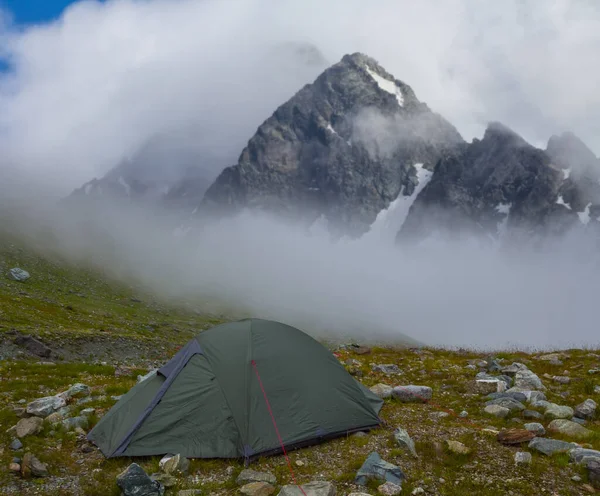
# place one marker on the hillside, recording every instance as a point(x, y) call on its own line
point(104, 334)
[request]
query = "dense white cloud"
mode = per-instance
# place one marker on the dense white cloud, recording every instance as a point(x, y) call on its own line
point(93, 86)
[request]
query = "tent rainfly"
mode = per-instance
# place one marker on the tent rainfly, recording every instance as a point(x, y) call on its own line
point(239, 390)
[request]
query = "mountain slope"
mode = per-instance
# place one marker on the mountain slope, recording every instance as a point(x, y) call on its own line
point(342, 148)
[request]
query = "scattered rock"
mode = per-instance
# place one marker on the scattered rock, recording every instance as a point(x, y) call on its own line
point(511, 404)
point(463, 414)
point(382, 390)
point(246, 476)
point(404, 440)
point(33, 346)
point(14, 467)
point(361, 350)
point(75, 391)
point(174, 464)
point(88, 411)
point(257, 489)
point(522, 458)
point(457, 447)
point(586, 410)
point(515, 436)
point(511, 370)
point(554, 411)
point(532, 414)
point(133, 481)
point(561, 379)
point(376, 468)
point(487, 386)
point(550, 446)
point(526, 379)
point(16, 445)
point(597, 389)
point(438, 415)
point(484, 376)
point(581, 455)
point(32, 467)
point(389, 489)
point(42, 407)
point(535, 396)
point(17, 274)
point(552, 358)
point(387, 369)
point(497, 411)
point(412, 394)
point(536, 428)
point(515, 395)
point(29, 426)
point(568, 428)
point(578, 420)
point(317, 488)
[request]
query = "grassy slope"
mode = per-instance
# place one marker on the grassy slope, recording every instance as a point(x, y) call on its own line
point(66, 307)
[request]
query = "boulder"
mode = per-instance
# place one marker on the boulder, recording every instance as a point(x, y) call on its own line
point(174, 464)
point(374, 468)
point(550, 446)
point(578, 455)
point(568, 428)
point(536, 428)
point(33, 346)
point(511, 370)
point(412, 394)
point(522, 458)
point(32, 467)
point(246, 476)
point(133, 481)
point(487, 386)
point(29, 426)
point(554, 411)
point(42, 407)
point(515, 395)
point(404, 440)
point(75, 391)
point(317, 488)
point(526, 379)
point(515, 436)
point(496, 411)
point(382, 390)
point(586, 410)
point(18, 274)
point(511, 404)
point(532, 414)
point(257, 489)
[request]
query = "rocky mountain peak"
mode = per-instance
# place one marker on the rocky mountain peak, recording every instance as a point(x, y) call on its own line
point(568, 151)
point(342, 148)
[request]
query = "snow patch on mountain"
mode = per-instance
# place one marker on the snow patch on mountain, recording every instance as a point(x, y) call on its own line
point(566, 173)
point(561, 201)
point(387, 85)
point(584, 216)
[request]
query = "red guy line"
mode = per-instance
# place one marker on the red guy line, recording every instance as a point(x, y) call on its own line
point(276, 429)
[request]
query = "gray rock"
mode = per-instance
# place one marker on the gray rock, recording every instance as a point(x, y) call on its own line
point(578, 420)
point(536, 428)
point(511, 370)
point(497, 411)
point(42, 407)
point(550, 446)
point(554, 411)
point(526, 379)
point(577, 455)
point(536, 396)
point(489, 386)
point(412, 394)
point(33, 346)
point(16, 445)
point(174, 464)
point(532, 414)
point(88, 411)
point(133, 481)
point(75, 391)
point(382, 390)
point(404, 440)
point(484, 376)
point(374, 468)
point(597, 389)
point(515, 395)
point(28, 426)
point(246, 476)
point(17, 274)
point(31, 466)
point(512, 405)
point(316, 488)
point(387, 369)
point(74, 422)
point(586, 410)
point(522, 458)
point(568, 428)
point(561, 379)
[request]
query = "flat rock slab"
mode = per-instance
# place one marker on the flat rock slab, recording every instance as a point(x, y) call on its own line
point(17, 274)
point(374, 468)
point(246, 476)
point(550, 446)
point(316, 488)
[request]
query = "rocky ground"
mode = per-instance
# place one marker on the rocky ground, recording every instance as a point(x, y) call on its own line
point(456, 422)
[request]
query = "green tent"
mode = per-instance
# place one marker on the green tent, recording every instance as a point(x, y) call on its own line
point(239, 390)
